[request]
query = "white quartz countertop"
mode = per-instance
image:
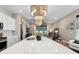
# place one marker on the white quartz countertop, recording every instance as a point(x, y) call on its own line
point(45, 46)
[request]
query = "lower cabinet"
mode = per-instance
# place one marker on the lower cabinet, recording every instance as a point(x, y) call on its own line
point(12, 40)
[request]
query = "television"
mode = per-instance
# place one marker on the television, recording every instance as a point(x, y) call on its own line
point(1, 25)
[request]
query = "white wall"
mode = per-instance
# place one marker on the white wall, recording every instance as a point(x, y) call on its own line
point(62, 24)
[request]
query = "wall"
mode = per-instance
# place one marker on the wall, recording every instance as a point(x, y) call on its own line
point(64, 31)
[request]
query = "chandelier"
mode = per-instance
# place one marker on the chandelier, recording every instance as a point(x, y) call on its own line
point(38, 12)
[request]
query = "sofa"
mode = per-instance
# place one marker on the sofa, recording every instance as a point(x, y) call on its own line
point(74, 44)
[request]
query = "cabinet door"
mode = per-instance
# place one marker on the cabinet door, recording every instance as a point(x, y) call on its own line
point(12, 40)
point(8, 22)
point(5, 23)
point(9, 41)
point(11, 24)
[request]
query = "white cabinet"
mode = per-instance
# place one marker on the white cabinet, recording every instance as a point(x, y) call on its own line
point(8, 27)
point(12, 40)
point(8, 22)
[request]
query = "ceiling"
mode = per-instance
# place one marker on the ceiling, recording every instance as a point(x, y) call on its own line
point(54, 12)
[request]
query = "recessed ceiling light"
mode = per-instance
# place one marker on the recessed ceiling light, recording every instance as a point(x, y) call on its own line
point(20, 10)
point(55, 17)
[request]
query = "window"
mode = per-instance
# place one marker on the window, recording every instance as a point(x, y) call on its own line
point(42, 29)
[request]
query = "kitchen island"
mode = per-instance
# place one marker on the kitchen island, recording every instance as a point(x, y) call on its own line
point(44, 46)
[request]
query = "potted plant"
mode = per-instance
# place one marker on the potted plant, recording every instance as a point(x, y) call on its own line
point(38, 36)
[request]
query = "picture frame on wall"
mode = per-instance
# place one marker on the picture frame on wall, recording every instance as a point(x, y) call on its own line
point(70, 26)
point(67, 26)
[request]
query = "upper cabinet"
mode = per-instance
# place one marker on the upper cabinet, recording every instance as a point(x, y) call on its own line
point(8, 22)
